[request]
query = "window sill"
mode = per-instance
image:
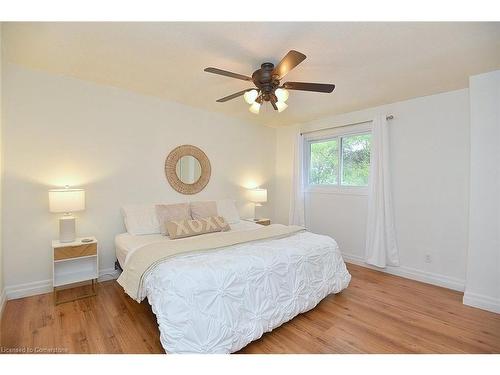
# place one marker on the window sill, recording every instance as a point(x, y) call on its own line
point(338, 190)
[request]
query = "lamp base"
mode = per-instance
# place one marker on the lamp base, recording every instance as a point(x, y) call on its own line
point(67, 229)
point(256, 204)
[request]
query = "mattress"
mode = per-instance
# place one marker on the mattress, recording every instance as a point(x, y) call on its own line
point(126, 244)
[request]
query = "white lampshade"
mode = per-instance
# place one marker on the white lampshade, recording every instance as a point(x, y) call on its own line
point(66, 200)
point(281, 106)
point(281, 94)
point(250, 96)
point(257, 195)
point(254, 108)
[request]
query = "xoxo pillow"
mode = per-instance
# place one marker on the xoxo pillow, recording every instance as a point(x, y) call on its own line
point(188, 228)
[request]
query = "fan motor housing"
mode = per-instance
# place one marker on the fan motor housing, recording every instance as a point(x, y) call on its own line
point(263, 78)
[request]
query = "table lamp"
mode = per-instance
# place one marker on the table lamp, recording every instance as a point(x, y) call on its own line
point(66, 201)
point(257, 196)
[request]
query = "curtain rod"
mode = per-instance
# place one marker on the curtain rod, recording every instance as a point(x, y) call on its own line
point(388, 117)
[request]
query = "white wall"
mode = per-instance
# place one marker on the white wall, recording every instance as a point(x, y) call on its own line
point(2, 291)
point(430, 162)
point(483, 258)
point(285, 138)
point(59, 130)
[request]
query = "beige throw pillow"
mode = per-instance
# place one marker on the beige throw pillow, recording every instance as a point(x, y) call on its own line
point(188, 228)
point(170, 212)
point(200, 210)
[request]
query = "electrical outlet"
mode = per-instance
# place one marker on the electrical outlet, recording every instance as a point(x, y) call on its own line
point(428, 258)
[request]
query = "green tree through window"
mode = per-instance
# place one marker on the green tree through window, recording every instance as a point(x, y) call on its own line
point(354, 163)
point(356, 160)
point(324, 162)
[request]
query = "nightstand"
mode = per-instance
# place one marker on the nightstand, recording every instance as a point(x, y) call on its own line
point(74, 262)
point(261, 221)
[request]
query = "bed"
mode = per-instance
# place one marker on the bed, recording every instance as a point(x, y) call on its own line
point(230, 287)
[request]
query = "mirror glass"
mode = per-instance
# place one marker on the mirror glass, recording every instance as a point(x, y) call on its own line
point(188, 169)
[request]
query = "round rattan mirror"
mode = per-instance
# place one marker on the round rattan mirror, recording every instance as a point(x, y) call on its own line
point(187, 169)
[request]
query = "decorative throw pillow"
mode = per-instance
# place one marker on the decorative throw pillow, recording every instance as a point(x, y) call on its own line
point(140, 219)
point(170, 212)
point(227, 209)
point(200, 210)
point(188, 228)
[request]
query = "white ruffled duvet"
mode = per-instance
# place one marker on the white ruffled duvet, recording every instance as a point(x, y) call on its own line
point(218, 302)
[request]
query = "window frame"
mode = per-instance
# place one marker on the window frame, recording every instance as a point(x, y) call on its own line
point(337, 188)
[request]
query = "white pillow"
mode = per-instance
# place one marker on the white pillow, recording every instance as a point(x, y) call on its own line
point(227, 209)
point(140, 219)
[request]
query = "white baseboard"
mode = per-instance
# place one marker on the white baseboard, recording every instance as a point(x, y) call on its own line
point(45, 286)
point(108, 274)
point(3, 301)
point(28, 289)
point(412, 273)
point(482, 302)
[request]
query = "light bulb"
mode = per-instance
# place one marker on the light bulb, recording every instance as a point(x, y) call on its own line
point(281, 94)
point(250, 96)
point(254, 108)
point(281, 106)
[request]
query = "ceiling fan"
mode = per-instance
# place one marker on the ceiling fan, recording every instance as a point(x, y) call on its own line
point(267, 81)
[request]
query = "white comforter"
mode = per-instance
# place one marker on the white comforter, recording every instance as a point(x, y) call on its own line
point(218, 302)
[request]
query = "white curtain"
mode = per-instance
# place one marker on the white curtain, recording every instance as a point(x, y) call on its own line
point(296, 215)
point(381, 246)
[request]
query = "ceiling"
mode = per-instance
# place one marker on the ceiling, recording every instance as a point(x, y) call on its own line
point(370, 63)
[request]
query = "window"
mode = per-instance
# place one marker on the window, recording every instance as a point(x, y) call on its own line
point(324, 165)
point(355, 159)
point(338, 161)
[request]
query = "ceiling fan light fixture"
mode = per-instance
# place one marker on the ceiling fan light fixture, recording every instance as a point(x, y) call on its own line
point(281, 94)
point(254, 108)
point(250, 96)
point(281, 106)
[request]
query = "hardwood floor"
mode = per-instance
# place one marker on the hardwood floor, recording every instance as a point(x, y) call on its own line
point(377, 313)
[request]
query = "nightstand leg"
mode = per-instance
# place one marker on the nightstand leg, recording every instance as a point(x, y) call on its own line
point(94, 293)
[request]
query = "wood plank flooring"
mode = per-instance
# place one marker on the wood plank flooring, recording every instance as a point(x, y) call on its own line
point(377, 313)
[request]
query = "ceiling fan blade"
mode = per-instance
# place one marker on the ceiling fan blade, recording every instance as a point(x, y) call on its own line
point(227, 74)
point(232, 96)
point(308, 86)
point(287, 63)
